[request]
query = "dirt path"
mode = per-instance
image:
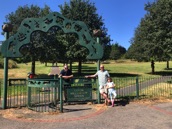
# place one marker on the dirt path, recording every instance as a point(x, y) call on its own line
point(55, 71)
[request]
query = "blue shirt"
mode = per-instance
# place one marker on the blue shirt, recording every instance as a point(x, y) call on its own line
point(66, 73)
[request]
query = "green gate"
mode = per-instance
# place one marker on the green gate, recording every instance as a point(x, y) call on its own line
point(46, 95)
point(43, 94)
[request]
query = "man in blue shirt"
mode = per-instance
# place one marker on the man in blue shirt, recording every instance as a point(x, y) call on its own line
point(66, 74)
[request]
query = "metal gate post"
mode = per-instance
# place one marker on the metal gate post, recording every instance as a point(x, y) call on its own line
point(98, 67)
point(61, 95)
point(55, 91)
point(4, 103)
point(28, 96)
point(137, 87)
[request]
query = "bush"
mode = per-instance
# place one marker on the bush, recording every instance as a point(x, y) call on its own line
point(11, 64)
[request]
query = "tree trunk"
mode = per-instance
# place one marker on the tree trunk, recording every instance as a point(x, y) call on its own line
point(33, 66)
point(79, 67)
point(167, 64)
point(153, 66)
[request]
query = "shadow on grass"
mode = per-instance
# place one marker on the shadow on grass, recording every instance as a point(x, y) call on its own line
point(168, 69)
point(123, 75)
point(162, 73)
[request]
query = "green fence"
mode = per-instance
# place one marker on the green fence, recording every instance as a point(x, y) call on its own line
point(133, 87)
point(17, 92)
point(144, 87)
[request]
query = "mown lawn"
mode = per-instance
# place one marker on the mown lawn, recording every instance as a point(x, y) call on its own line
point(121, 68)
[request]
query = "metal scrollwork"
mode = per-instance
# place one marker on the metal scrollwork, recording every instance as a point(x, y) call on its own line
point(29, 25)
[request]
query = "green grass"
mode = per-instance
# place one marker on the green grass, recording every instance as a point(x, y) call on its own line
point(136, 68)
point(132, 69)
point(117, 69)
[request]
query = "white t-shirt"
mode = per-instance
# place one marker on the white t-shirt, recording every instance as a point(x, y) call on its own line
point(110, 84)
point(102, 77)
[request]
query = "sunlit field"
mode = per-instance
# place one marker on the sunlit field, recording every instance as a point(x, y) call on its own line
point(120, 68)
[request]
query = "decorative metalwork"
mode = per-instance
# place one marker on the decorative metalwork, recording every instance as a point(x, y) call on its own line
point(11, 47)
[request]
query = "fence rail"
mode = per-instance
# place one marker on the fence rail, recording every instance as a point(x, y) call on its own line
point(137, 87)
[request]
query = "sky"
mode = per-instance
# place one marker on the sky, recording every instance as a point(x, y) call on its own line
point(121, 17)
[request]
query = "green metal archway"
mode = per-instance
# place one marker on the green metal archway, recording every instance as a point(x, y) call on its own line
point(11, 47)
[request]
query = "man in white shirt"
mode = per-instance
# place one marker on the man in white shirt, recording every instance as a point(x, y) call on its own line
point(102, 79)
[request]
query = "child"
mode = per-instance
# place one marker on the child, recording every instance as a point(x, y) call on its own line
point(111, 91)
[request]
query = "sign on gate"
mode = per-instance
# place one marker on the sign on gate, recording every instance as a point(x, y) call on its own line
point(79, 93)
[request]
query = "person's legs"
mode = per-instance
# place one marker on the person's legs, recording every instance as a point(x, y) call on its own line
point(112, 101)
point(65, 92)
point(113, 98)
point(105, 96)
point(102, 92)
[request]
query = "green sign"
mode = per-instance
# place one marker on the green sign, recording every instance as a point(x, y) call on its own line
point(79, 93)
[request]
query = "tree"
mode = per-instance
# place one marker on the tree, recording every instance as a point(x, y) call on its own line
point(137, 51)
point(160, 12)
point(82, 10)
point(152, 39)
point(117, 51)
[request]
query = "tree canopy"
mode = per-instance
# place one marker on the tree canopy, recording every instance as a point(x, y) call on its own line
point(117, 51)
point(82, 10)
point(152, 39)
